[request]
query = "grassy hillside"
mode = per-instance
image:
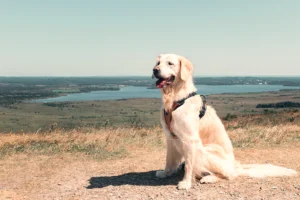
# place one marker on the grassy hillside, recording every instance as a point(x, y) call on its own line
point(105, 129)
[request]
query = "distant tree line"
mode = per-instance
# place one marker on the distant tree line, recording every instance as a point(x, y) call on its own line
point(99, 88)
point(12, 93)
point(285, 104)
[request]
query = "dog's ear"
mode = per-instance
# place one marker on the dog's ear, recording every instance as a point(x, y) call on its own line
point(186, 68)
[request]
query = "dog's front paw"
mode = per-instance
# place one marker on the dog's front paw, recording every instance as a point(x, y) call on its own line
point(184, 185)
point(161, 174)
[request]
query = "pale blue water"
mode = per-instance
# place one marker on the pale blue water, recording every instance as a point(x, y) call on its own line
point(143, 92)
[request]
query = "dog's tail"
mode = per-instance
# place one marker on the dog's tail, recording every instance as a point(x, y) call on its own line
point(264, 170)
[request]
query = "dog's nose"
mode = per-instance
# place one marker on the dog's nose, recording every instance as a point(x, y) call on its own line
point(155, 71)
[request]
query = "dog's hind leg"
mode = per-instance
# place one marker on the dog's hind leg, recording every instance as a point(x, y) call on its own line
point(173, 161)
point(224, 168)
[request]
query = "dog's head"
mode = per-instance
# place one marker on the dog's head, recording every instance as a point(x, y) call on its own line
point(171, 69)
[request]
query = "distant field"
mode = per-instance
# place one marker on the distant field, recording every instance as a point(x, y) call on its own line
point(33, 117)
point(18, 115)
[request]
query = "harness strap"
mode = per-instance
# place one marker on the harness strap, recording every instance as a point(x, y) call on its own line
point(203, 110)
point(168, 115)
point(168, 119)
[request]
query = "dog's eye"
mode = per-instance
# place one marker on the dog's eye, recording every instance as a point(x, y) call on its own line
point(158, 63)
point(170, 63)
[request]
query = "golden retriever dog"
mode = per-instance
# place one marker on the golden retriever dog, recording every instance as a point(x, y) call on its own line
point(194, 132)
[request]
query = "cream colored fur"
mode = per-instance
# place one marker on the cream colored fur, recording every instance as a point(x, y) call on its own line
point(202, 143)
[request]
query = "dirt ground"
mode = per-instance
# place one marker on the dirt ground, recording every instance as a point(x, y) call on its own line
point(72, 176)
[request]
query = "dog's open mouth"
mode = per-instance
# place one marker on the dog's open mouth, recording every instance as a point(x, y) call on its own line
point(161, 82)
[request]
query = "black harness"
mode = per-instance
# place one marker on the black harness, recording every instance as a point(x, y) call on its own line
point(177, 104)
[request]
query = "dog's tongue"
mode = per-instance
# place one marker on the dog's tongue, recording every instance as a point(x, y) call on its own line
point(160, 83)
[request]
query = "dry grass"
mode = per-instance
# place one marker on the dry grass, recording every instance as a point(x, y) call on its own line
point(101, 144)
point(255, 136)
point(111, 143)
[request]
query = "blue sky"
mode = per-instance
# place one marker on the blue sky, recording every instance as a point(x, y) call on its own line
point(99, 38)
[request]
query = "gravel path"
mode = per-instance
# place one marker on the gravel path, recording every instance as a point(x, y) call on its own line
point(79, 177)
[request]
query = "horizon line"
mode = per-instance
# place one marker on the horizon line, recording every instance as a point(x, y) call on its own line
point(144, 76)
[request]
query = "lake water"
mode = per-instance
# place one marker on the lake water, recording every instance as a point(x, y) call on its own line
point(143, 92)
